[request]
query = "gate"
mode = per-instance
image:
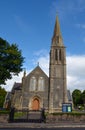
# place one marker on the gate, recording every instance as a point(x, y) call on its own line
point(26, 115)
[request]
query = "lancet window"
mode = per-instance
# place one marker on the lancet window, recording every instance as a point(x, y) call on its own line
point(41, 84)
point(33, 84)
point(58, 54)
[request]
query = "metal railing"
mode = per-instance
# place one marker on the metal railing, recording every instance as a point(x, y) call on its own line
point(26, 115)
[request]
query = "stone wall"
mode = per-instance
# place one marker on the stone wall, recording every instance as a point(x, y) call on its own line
point(4, 118)
point(65, 118)
point(54, 118)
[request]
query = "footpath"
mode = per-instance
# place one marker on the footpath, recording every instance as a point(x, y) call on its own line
point(41, 125)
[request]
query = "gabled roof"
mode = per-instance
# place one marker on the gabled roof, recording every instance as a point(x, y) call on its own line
point(8, 96)
point(37, 70)
point(17, 86)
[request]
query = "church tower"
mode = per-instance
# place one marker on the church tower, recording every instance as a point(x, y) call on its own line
point(57, 71)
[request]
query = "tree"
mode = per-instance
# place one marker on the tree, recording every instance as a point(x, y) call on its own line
point(2, 96)
point(11, 60)
point(76, 95)
point(83, 97)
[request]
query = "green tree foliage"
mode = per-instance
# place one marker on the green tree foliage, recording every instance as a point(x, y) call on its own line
point(76, 95)
point(83, 97)
point(2, 96)
point(11, 60)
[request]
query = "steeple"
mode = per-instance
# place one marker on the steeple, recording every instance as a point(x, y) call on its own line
point(57, 71)
point(57, 37)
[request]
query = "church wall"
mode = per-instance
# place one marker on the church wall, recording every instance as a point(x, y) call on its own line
point(16, 99)
point(58, 93)
point(29, 95)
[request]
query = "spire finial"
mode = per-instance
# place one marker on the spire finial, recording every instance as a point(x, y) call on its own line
point(57, 13)
point(38, 64)
point(24, 74)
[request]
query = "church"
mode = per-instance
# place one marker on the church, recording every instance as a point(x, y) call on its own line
point(37, 90)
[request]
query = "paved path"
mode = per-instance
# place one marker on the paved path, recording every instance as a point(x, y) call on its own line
point(41, 125)
point(45, 129)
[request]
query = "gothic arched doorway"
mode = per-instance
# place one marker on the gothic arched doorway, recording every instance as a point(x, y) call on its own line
point(35, 104)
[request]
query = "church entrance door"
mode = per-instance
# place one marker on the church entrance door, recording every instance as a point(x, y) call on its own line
point(36, 104)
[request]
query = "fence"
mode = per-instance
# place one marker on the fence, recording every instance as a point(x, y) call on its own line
point(26, 115)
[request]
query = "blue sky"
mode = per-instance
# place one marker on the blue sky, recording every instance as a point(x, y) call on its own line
point(30, 24)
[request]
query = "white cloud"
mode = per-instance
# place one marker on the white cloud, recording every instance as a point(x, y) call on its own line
point(44, 63)
point(41, 53)
point(75, 71)
point(82, 26)
point(9, 83)
point(42, 58)
point(67, 7)
point(76, 65)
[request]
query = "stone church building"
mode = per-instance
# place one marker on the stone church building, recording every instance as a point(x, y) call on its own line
point(37, 90)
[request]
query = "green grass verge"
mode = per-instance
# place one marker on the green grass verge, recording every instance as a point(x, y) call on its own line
point(4, 112)
point(19, 114)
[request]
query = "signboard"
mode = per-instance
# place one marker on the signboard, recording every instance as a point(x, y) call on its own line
point(66, 107)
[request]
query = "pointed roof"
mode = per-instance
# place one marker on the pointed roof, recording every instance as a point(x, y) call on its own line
point(16, 86)
point(57, 37)
point(37, 70)
point(57, 28)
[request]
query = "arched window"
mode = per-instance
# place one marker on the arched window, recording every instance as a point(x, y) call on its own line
point(58, 54)
point(33, 84)
point(41, 84)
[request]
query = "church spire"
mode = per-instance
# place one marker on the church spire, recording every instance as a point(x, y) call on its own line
point(57, 28)
point(57, 37)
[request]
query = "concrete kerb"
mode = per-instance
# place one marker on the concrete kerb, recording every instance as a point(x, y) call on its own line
point(40, 125)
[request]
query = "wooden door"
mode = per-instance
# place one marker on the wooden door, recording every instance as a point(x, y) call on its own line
point(36, 104)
